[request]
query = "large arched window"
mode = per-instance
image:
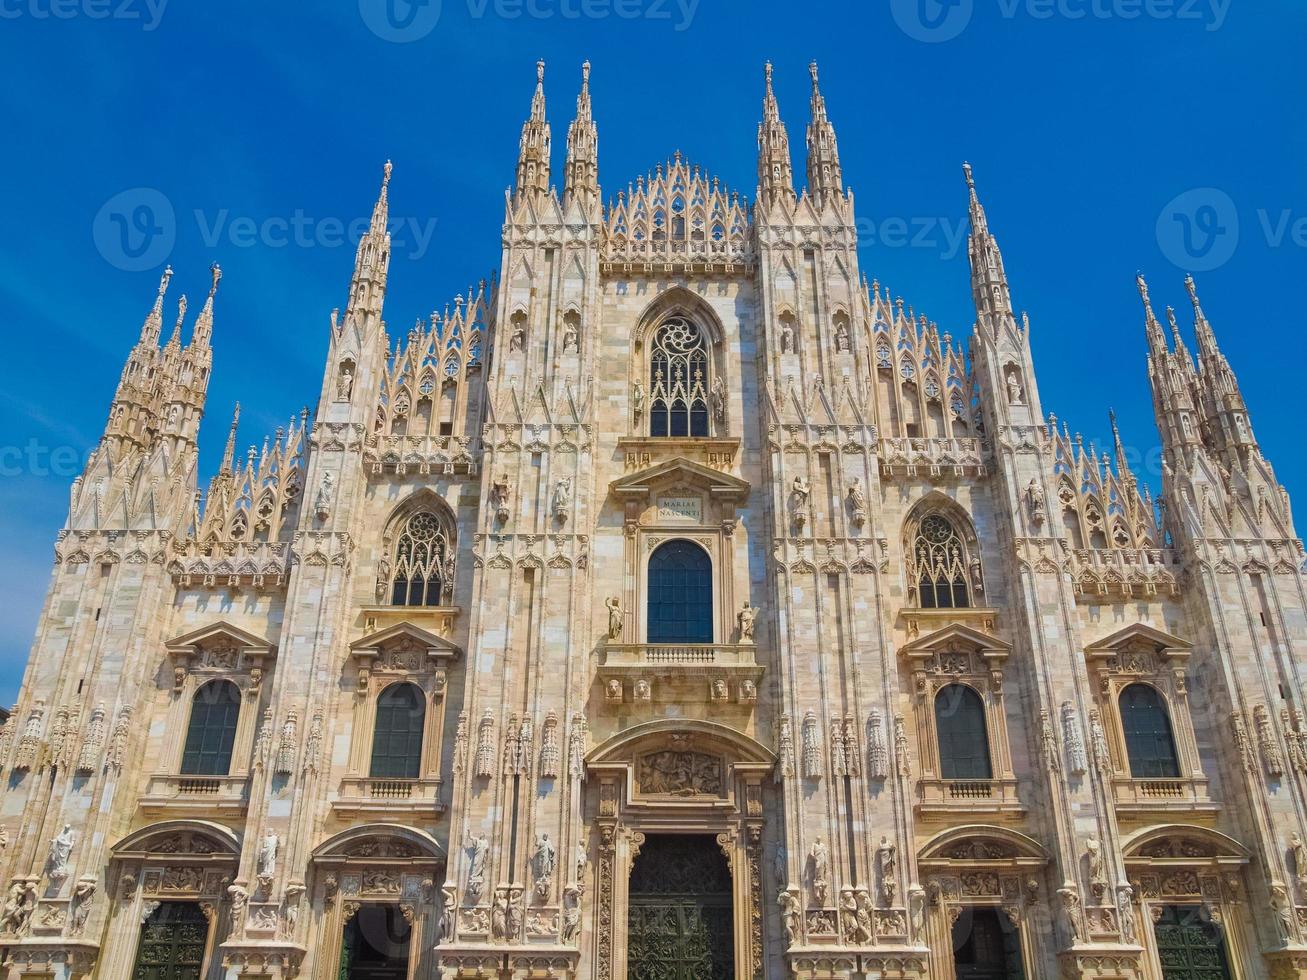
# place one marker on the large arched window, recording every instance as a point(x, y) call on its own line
point(1149, 743)
point(961, 734)
point(423, 563)
point(397, 737)
point(940, 565)
point(680, 594)
point(212, 730)
point(678, 380)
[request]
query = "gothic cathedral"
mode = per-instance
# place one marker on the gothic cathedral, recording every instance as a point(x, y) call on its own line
point(678, 605)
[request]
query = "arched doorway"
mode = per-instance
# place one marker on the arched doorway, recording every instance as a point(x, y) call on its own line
point(1189, 944)
point(680, 918)
point(376, 944)
point(173, 941)
point(986, 946)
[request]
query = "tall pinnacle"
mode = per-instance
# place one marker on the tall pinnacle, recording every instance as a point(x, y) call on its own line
point(824, 177)
point(154, 320)
point(229, 455)
point(204, 324)
point(775, 172)
point(367, 289)
point(533, 152)
point(989, 286)
point(582, 176)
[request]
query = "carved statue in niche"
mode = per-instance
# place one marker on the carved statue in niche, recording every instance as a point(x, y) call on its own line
point(789, 906)
point(83, 896)
point(500, 494)
point(1097, 869)
point(637, 399)
point(61, 849)
point(819, 869)
point(1284, 912)
point(447, 904)
point(887, 857)
point(545, 860)
point(1016, 395)
point(787, 337)
point(517, 340)
point(680, 774)
point(841, 336)
point(800, 491)
point(345, 383)
point(1125, 903)
point(478, 847)
point(614, 604)
point(1071, 915)
point(16, 916)
point(571, 916)
point(267, 858)
point(499, 915)
point(747, 616)
point(1299, 852)
point(562, 498)
point(516, 914)
point(1035, 501)
point(571, 342)
point(858, 502)
point(717, 396)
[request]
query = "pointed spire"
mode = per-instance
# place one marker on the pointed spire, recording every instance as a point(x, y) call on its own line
point(367, 288)
point(775, 171)
point(825, 181)
point(174, 344)
point(989, 286)
point(1118, 449)
point(533, 151)
point(1207, 346)
point(582, 183)
point(229, 455)
point(1156, 339)
point(154, 320)
point(204, 324)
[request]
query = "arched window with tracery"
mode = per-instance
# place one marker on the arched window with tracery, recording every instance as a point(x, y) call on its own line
point(1149, 740)
point(211, 734)
point(939, 565)
point(962, 734)
point(678, 380)
point(680, 594)
point(424, 562)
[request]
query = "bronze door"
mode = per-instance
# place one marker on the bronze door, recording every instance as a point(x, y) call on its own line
point(172, 943)
point(680, 925)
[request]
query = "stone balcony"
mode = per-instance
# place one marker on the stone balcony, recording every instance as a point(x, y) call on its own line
point(723, 673)
point(959, 797)
point(207, 794)
point(365, 795)
point(1151, 796)
point(931, 457)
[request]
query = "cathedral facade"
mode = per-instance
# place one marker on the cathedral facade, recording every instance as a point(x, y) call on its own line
point(676, 605)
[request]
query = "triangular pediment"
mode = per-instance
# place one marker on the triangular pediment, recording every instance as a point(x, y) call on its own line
point(681, 471)
point(220, 631)
point(952, 637)
point(436, 646)
point(1140, 633)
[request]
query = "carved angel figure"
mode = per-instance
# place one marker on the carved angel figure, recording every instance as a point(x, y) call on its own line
point(614, 605)
point(747, 616)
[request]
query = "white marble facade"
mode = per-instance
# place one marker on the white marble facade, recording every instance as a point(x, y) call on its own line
point(846, 463)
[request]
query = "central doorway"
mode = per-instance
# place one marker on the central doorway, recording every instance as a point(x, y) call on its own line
point(376, 945)
point(681, 921)
point(172, 944)
point(1189, 945)
point(986, 946)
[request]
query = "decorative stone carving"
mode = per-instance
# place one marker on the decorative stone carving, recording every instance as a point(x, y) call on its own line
point(16, 916)
point(784, 751)
point(263, 744)
point(576, 748)
point(1097, 868)
point(857, 503)
point(902, 760)
point(747, 616)
point(788, 902)
point(887, 859)
point(61, 849)
point(1098, 740)
point(1071, 915)
point(675, 773)
point(1272, 760)
point(485, 757)
point(313, 750)
point(562, 500)
point(1035, 502)
point(88, 759)
point(811, 752)
point(460, 744)
point(29, 743)
point(877, 752)
point(1077, 763)
point(1048, 744)
point(543, 862)
point(550, 752)
point(288, 745)
point(800, 492)
point(615, 618)
point(266, 865)
point(501, 494)
point(478, 847)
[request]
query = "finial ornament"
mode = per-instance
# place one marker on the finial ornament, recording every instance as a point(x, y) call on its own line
point(812, 70)
point(540, 70)
point(386, 171)
point(1143, 287)
point(216, 271)
point(767, 70)
point(165, 279)
point(585, 70)
point(971, 180)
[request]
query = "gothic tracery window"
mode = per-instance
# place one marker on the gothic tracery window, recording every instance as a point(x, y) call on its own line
point(940, 565)
point(678, 381)
point(423, 562)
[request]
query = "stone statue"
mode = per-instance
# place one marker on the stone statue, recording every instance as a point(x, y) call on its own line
point(83, 895)
point(18, 908)
point(562, 497)
point(1284, 914)
point(545, 859)
point(518, 339)
point(61, 849)
point(240, 900)
point(789, 905)
point(637, 399)
point(345, 384)
point(1035, 500)
point(1299, 851)
point(842, 337)
point(787, 337)
point(747, 615)
point(267, 865)
point(500, 494)
point(718, 398)
point(1125, 903)
point(614, 605)
point(643, 692)
point(849, 915)
point(571, 916)
point(1097, 870)
point(582, 859)
point(571, 342)
point(326, 491)
point(1015, 393)
point(863, 933)
point(887, 857)
point(499, 916)
point(478, 846)
point(858, 502)
point(447, 904)
point(819, 860)
point(516, 914)
point(799, 494)
point(1071, 915)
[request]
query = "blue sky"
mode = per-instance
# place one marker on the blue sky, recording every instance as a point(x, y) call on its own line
point(1108, 136)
